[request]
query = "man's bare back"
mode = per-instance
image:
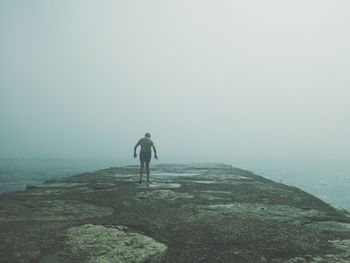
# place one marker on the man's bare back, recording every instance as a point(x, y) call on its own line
point(146, 144)
point(145, 154)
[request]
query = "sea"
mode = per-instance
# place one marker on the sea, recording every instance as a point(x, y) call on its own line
point(17, 174)
point(327, 180)
point(331, 183)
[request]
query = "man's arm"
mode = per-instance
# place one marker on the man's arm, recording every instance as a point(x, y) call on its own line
point(137, 145)
point(155, 152)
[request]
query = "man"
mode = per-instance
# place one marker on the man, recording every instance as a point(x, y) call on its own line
point(145, 154)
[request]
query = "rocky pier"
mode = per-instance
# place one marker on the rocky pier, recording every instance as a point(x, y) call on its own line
point(189, 213)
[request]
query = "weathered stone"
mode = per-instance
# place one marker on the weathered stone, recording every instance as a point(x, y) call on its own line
point(296, 260)
point(165, 185)
point(329, 226)
point(14, 210)
point(283, 213)
point(342, 255)
point(213, 213)
point(162, 194)
point(98, 244)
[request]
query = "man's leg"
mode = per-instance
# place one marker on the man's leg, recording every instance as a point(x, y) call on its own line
point(147, 170)
point(141, 171)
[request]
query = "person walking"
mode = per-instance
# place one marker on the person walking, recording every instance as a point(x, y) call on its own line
point(145, 154)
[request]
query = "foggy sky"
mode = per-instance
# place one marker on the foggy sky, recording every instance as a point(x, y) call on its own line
point(210, 80)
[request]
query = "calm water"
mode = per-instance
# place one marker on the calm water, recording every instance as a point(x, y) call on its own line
point(329, 183)
point(17, 174)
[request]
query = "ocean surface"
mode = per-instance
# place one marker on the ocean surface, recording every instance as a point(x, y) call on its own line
point(16, 174)
point(330, 183)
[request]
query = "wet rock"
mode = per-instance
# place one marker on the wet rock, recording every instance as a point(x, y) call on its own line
point(29, 187)
point(213, 213)
point(296, 260)
point(169, 175)
point(204, 182)
point(282, 213)
point(96, 244)
point(163, 185)
point(13, 210)
point(329, 226)
point(214, 195)
point(62, 185)
point(217, 192)
point(342, 256)
point(162, 194)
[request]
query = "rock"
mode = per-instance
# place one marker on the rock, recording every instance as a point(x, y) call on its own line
point(29, 187)
point(342, 256)
point(164, 185)
point(281, 213)
point(241, 217)
point(97, 244)
point(329, 226)
point(162, 194)
point(296, 260)
point(13, 210)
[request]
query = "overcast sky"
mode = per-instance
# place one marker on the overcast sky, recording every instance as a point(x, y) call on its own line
point(210, 80)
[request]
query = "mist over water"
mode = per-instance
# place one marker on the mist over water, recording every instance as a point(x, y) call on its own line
point(17, 174)
point(259, 85)
point(327, 181)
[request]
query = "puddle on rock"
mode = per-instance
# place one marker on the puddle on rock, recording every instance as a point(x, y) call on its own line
point(174, 174)
point(159, 185)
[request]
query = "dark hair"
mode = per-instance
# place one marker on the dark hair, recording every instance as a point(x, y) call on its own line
point(148, 135)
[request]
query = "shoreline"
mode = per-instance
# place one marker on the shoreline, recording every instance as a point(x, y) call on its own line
point(281, 175)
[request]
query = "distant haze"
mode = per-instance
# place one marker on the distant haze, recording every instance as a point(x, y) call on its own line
point(210, 80)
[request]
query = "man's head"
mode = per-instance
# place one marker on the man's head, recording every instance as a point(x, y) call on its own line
point(147, 135)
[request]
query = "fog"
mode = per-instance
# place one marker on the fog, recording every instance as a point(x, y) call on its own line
point(212, 81)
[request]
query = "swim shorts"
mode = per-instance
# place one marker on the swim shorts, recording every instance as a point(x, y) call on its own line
point(145, 156)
